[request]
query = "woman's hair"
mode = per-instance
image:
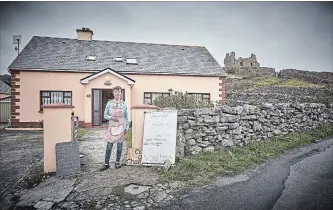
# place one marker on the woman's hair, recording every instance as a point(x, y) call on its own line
point(117, 88)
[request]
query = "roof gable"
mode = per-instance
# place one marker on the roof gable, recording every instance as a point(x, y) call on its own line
point(45, 53)
point(105, 71)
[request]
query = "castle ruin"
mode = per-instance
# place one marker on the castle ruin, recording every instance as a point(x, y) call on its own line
point(231, 61)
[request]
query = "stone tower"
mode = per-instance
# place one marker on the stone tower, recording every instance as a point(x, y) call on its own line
point(231, 61)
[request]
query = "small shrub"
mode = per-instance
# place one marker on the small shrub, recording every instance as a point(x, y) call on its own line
point(181, 100)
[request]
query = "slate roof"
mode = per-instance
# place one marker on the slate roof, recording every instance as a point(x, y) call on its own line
point(4, 88)
point(46, 53)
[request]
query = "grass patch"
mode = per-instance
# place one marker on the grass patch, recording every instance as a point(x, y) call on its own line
point(82, 132)
point(261, 82)
point(129, 138)
point(207, 165)
point(234, 76)
point(299, 83)
point(34, 177)
point(266, 81)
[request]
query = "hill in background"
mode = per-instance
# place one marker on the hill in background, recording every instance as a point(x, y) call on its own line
point(288, 86)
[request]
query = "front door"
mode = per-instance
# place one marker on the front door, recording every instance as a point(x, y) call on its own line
point(100, 97)
point(96, 107)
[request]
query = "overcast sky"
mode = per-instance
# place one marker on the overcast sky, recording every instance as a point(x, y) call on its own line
point(282, 34)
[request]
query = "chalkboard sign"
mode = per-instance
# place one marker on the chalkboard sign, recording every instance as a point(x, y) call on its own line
point(68, 158)
point(159, 137)
point(133, 156)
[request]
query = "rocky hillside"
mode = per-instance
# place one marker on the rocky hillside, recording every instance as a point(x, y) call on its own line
point(274, 90)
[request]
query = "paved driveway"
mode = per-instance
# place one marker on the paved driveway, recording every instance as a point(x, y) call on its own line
point(19, 151)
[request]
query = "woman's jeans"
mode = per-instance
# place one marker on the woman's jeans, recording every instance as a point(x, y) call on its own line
point(108, 152)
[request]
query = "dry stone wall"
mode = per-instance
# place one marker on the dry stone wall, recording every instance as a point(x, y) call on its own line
point(276, 94)
point(251, 72)
point(224, 126)
point(310, 76)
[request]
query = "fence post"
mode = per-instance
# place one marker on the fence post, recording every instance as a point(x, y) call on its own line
point(138, 122)
point(76, 128)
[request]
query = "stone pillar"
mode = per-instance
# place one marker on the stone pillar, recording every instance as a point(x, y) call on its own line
point(138, 122)
point(57, 128)
point(222, 90)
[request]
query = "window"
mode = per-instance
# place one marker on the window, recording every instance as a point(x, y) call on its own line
point(53, 97)
point(241, 63)
point(149, 98)
point(118, 59)
point(201, 96)
point(131, 61)
point(91, 58)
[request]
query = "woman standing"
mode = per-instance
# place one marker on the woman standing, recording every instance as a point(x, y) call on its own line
point(117, 114)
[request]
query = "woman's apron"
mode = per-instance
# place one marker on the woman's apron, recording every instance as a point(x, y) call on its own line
point(115, 131)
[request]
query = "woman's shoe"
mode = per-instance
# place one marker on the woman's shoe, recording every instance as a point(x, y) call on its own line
point(117, 165)
point(104, 167)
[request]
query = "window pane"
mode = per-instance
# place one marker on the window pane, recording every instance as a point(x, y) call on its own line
point(118, 59)
point(201, 96)
point(147, 101)
point(68, 94)
point(131, 60)
point(45, 94)
point(52, 98)
point(147, 95)
point(58, 97)
point(156, 95)
point(68, 101)
point(45, 101)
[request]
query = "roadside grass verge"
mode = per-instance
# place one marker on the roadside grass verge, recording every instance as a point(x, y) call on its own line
point(195, 169)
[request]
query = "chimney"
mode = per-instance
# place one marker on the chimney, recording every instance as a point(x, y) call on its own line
point(84, 34)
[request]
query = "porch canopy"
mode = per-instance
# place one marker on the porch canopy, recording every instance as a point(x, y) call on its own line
point(96, 84)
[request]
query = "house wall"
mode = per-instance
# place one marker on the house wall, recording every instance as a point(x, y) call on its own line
point(162, 83)
point(31, 83)
point(25, 107)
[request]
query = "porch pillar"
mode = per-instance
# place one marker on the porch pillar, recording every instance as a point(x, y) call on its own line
point(57, 128)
